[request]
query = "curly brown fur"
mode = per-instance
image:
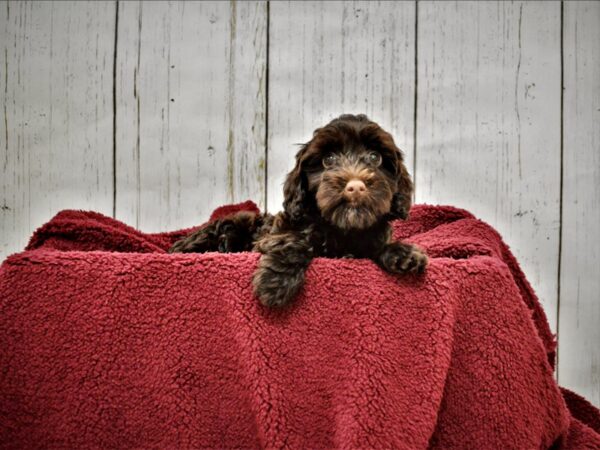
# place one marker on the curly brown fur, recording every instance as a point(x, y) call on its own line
point(349, 181)
point(234, 233)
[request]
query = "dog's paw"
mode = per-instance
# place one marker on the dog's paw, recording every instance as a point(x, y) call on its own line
point(227, 240)
point(416, 261)
point(227, 235)
point(200, 241)
point(403, 258)
point(276, 289)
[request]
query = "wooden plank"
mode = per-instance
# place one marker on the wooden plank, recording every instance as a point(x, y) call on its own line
point(329, 58)
point(579, 314)
point(191, 110)
point(488, 123)
point(56, 96)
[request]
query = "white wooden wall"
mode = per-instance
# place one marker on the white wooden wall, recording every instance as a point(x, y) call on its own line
point(158, 112)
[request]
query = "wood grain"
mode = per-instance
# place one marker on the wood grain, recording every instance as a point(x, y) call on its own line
point(488, 123)
point(329, 58)
point(579, 330)
point(56, 127)
point(191, 110)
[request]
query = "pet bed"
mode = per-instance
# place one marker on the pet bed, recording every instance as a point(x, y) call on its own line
point(108, 341)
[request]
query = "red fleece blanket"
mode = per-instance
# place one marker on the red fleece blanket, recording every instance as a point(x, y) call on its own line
point(108, 341)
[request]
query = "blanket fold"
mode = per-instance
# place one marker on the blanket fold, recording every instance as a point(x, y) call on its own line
point(108, 341)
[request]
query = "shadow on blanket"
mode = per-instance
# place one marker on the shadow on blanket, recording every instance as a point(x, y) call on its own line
point(107, 341)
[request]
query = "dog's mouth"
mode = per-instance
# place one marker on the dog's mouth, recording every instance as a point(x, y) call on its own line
point(349, 215)
point(353, 215)
point(353, 203)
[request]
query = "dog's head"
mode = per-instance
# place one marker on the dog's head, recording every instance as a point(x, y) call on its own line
point(350, 173)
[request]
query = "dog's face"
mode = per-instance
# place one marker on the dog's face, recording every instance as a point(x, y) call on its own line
point(350, 173)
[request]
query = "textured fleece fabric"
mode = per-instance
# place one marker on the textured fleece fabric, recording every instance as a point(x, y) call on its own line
point(107, 341)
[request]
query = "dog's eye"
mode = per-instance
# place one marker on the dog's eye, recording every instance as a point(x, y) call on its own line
point(374, 159)
point(329, 160)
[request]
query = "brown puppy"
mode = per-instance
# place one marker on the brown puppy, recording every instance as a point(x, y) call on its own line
point(348, 183)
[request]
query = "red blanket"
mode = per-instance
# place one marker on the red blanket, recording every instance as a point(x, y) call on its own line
point(108, 341)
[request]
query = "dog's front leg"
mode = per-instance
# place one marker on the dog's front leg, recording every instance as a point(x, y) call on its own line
point(280, 272)
point(398, 257)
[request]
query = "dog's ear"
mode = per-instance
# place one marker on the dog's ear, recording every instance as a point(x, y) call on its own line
point(394, 160)
point(295, 193)
point(402, 199)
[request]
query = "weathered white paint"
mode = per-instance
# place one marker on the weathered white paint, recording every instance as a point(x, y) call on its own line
point(191, 110)
point(56, 100)
point(329, 58)
point(488, 123)
point(579, 320)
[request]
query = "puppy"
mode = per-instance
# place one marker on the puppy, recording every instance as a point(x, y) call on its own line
point(349, 181)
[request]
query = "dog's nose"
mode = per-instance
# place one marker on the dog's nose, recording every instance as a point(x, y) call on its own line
point(355, 189)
